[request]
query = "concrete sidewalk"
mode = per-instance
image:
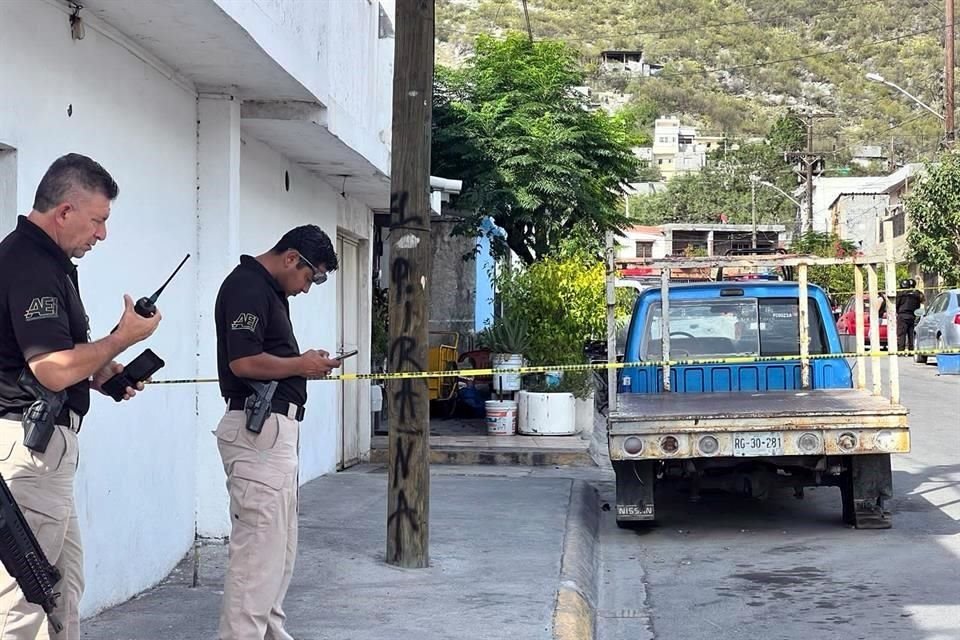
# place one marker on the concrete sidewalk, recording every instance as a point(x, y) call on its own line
point(497, 544)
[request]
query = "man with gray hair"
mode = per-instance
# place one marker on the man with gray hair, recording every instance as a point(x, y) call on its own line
point(45, 337)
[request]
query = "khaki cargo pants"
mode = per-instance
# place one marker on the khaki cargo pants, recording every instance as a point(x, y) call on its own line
point(262, 482)
point(42, 484)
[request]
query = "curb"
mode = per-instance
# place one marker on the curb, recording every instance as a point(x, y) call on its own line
point(575, 612)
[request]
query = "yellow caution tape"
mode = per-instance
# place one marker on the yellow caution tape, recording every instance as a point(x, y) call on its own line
point(468, 373)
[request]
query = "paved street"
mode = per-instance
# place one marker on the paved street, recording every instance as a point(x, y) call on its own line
point(732, 567)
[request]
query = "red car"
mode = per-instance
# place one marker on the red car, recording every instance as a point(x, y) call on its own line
point(847, 324)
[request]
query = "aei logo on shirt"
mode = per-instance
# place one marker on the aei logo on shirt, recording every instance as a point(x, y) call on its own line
point(42, 308)
point(246, 321)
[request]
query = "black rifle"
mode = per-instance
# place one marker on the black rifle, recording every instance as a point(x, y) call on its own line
point(38, 419)
point(24, 559)
point(258, 405)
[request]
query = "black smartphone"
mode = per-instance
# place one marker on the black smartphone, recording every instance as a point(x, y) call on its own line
point(139, 369)
point(348, 354)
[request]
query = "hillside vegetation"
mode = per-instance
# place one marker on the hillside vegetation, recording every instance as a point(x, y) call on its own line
point(735, 66)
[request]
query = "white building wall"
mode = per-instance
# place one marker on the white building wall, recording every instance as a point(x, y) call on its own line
point(135, 485)
point(325, 45)
point(626, 245)
point(309, 201)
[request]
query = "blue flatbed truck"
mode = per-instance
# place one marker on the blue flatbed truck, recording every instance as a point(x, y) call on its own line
point(729, 389)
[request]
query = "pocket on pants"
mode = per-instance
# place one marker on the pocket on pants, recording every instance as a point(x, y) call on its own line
point(254, 493)
point(229, 427)
point(48, 521)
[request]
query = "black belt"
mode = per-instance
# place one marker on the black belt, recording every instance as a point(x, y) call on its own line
point(71, 419)
point(290, 409)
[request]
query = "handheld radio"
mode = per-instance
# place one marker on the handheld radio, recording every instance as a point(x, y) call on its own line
point(146, 307)
point(147, 363)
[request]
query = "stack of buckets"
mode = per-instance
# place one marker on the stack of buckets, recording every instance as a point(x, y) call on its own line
point(502, 414)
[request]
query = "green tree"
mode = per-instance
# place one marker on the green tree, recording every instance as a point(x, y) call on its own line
point(723, 188)
point(934, 208)
point(836, 280)
point(511, 125)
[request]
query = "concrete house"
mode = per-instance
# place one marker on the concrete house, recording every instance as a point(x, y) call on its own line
point(225, 123)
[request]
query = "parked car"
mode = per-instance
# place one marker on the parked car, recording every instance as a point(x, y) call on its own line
point(847, 324)
point(938, 327)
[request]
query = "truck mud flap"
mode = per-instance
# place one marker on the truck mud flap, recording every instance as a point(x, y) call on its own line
point(635, 489)
point(865, 487)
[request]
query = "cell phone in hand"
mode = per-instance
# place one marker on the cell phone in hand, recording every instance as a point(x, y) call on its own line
point(348, 354)
point(141, 368)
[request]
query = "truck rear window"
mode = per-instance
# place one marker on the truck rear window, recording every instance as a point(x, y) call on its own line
point(718, 327)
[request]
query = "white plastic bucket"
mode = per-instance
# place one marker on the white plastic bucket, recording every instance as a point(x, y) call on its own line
point(506, 381)
point(547, 414)
point(501, 417)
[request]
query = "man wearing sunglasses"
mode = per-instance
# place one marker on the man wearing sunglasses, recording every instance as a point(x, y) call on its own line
point(255, 341)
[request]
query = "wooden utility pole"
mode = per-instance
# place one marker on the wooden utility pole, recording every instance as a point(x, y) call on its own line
point(408, 493)
point(948, 75)
point(810, 162)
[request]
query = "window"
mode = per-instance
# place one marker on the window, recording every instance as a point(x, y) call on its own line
point(780, 328)
point(719, 327)
point(899, 224)
point(644, 249)
point(705, 328)
point(660, 161)
point(939, 304)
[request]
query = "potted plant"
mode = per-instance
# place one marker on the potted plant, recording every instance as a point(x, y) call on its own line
point(508, 339)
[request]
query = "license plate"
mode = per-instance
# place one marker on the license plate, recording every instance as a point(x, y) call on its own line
point(758, 443)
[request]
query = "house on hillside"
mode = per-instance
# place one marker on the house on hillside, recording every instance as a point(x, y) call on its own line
point(629, 62)
point(867, 155)
point(675, 150)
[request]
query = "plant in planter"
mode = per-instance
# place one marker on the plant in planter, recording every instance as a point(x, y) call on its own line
point(562, 300)
point(508, 339)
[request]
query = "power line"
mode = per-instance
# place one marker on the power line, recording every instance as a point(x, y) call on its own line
point(888, 130)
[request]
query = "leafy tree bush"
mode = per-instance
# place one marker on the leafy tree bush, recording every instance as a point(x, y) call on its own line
point(561, 302)
point(511, 125)
point(934, 209)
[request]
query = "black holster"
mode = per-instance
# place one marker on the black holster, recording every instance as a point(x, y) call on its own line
point(39, 418)
point(258, 405)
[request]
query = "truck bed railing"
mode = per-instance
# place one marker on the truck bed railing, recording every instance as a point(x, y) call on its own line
point(860, 264)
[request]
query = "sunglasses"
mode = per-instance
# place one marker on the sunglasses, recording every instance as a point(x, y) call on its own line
point(318, 278)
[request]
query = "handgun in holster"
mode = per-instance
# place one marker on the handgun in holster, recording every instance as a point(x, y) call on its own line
point(38, 419)
point(259, 404)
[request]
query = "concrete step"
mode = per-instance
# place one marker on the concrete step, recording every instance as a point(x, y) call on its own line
point(499, 450)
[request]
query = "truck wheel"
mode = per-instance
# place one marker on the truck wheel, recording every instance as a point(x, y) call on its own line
point(635, 491)
point(865, 486)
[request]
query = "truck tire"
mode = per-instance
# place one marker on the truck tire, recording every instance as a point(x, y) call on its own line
point(636, 481)
point(866, 484)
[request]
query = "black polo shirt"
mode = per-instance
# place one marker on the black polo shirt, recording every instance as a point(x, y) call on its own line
point(253, 316)
point(40, 312)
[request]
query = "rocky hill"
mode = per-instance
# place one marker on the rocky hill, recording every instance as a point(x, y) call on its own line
point(733, 66)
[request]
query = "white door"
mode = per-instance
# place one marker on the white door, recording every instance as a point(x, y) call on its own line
point(348, 339)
